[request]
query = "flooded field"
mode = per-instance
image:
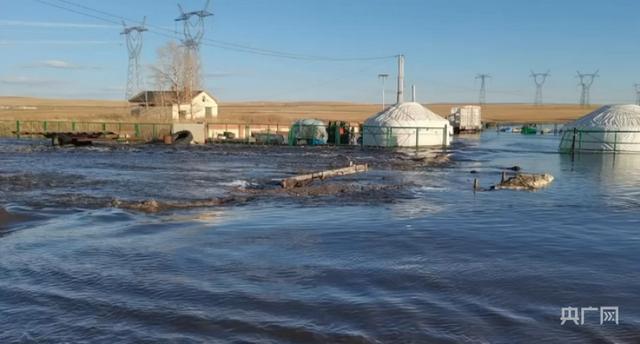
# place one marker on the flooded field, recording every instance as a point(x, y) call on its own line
point(405, 253)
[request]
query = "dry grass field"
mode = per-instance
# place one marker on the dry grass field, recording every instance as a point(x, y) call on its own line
point(14, 108)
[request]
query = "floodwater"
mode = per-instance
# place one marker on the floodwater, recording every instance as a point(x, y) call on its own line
point(406, 253)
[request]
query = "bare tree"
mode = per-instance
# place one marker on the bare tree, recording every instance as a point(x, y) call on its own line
point(177, 70)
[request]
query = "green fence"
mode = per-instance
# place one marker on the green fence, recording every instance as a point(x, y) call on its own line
point(600, 141)
point(142, 131)
point(391, 137)
point(335, 133)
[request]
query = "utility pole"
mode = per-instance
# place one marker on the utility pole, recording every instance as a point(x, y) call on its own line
point(482, 99)
point(383, 77)
point(133, 36)
point(193, 27)
point(400, 95)
point(539, 79)
point(637, 89)
point(586, 80)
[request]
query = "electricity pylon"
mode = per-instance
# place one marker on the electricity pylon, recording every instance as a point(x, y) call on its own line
point(482, 99)
point(133, 36)
point(539, 79)
point(193, 28)
point(586, 80)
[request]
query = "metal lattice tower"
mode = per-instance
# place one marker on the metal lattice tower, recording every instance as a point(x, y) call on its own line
point(637, 89)
point(133, 36)
point(586, 80)
point(539, 79)
point(193, 27)
point(482, 99)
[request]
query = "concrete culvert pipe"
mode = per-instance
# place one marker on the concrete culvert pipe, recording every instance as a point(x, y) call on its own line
point(183, 137)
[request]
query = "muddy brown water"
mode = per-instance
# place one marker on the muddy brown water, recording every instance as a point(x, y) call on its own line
point(406, 253)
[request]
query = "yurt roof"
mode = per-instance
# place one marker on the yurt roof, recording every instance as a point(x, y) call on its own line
point(408, 114)
point(610, 117)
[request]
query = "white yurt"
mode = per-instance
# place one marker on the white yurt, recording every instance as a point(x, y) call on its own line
point(611, 128)
point(406, 125)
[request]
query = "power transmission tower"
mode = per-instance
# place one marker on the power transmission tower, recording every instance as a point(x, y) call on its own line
point(483, 87)
point(193, 27)
point(586, 80)
point(637, 89)
point(539, 79)
point(133, 36)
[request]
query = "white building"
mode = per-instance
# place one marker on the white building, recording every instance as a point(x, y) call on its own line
point(466, 118)
point(611, 128)
point(202, 106)
point(406, 125)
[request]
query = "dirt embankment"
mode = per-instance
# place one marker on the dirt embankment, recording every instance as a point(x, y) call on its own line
point(12, 108)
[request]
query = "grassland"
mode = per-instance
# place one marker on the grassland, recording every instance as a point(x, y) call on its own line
point(18, 108)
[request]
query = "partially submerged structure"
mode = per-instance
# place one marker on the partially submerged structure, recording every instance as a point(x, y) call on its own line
point(406, 124)
point(611, 128)
point(308, 132)
point(466, 118)
point(199, 105)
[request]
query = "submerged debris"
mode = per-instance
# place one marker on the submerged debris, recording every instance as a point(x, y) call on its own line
point(153, 206)
point(520, 181)
point(523, 181)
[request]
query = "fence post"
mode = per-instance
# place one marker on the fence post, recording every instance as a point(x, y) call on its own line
point(417, 138)
point(104, 126)
point(445, 134)
point(573, 143)
point(18, 129)
point(136, 128)
point(155, 131)
point(73, 126)
point(45, 126)
point(336, 134)
point(615, 141)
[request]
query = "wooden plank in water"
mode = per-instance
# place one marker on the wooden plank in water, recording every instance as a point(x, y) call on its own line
point(303, 179)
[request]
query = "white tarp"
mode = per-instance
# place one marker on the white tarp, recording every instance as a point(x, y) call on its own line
point(406, 125)
point(610, 128)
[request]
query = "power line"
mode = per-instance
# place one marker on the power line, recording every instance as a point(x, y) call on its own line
point(161, 31)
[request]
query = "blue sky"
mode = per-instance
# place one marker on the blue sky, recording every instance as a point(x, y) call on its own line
point(46, 51)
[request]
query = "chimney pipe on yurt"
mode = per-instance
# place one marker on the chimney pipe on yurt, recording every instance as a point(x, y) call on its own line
point(400, 98)
point(413, 93)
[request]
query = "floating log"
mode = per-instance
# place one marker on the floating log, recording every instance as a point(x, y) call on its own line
point(303, 179)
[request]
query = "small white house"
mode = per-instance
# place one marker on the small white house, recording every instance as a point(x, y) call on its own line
point(202, 106)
